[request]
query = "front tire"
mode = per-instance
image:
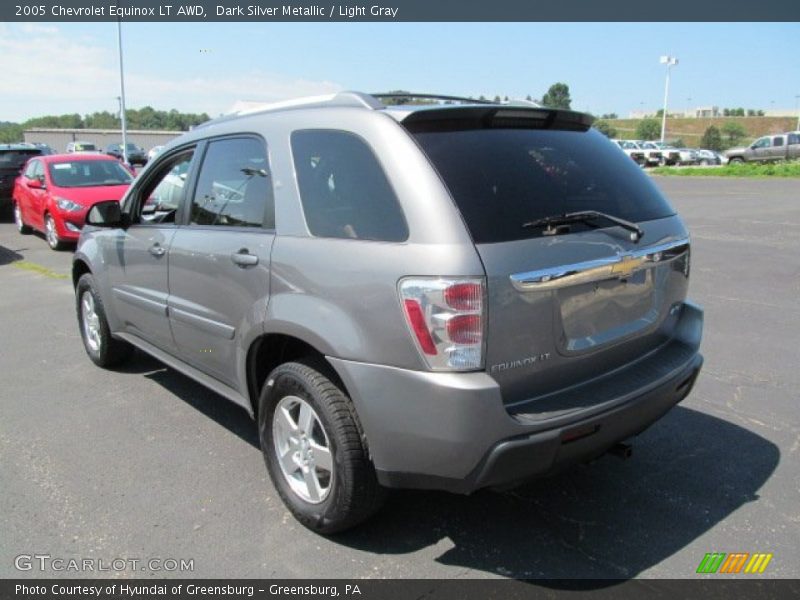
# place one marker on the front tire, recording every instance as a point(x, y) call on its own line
point(314, 449)
point(51, 233)
point(103, 349)
point(19, 222)
point(736, 160)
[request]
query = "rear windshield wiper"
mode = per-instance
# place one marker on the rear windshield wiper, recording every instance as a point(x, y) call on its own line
point(550, 223)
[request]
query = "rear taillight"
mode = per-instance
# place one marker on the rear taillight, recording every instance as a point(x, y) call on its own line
point(446, 320)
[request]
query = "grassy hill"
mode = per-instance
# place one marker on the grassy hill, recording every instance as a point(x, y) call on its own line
point(691, 130)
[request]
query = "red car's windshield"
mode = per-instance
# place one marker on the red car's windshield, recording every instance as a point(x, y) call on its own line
point(89, 173)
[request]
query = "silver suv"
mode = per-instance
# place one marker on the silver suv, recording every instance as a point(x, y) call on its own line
point(445, 296)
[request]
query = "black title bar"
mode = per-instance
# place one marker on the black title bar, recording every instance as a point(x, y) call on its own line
point(397, 10)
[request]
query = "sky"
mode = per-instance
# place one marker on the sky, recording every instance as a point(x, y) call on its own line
point(62, 68)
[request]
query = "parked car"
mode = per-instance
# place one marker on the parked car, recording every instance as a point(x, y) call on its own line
point(12, 159)
point(54, 193)
point(136, 155)
point(652, 154)
point(81, 147)
point(707, 157)
point(44, 148)
point(153, 152)
point(445, 296)
point(633, 151)
point(669, 156)
point(784, 146)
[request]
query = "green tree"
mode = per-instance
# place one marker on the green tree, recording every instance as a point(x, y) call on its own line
point(712, 139)
point(734, 132)
point(10, 132)
point(605, 128)
point(648, 129)
point(610, 116)
point(497, 99)
point(557, 96)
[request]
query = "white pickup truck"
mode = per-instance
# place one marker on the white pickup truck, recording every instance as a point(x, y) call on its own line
point(783, 146)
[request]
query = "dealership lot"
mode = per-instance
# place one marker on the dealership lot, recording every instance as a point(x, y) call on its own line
point(145, 464)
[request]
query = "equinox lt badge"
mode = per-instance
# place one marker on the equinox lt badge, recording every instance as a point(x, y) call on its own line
point(522, 362)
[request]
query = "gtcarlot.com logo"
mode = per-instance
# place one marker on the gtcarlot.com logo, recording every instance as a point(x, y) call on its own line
point(735, 562)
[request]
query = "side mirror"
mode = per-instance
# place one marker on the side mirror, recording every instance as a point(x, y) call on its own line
point(36, 184)
point(107, 214)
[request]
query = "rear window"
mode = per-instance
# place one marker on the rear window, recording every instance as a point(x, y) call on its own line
point(15, 159)
point(503, 178)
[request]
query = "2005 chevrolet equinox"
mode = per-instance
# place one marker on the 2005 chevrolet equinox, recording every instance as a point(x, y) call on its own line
point(451, 295)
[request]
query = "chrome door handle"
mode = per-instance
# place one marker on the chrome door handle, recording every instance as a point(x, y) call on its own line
point(243, 258)
point(156, 250)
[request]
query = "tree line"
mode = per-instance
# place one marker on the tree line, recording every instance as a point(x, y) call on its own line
point(142, 118)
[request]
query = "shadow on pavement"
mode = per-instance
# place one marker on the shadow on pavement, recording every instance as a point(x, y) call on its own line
point(8, 256)
point(611, 519)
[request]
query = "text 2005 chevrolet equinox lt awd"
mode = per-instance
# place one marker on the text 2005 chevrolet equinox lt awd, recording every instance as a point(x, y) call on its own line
point(443, 296)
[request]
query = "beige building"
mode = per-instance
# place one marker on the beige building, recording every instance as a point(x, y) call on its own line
point(58, 139)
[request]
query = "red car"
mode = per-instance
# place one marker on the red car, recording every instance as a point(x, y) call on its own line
point(54, 193)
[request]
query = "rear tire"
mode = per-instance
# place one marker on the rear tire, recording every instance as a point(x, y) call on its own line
point(103, 349)
point(19, 221)
point(314, 449)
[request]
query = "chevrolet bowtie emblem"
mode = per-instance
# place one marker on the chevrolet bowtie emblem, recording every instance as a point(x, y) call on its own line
point(626, 266)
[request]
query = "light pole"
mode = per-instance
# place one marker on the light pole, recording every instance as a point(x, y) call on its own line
point(122, 96)
point(670, 61)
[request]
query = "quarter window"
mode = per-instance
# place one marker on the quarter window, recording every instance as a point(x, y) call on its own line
point(163, 196)
point(343, 189)
point(233, 187)
point(777, 141)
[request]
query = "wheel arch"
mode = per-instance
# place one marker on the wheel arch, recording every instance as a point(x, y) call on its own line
point(272, 349)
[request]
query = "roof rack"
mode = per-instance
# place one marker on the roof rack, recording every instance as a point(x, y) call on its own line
point(410, 96)
point(353, 99)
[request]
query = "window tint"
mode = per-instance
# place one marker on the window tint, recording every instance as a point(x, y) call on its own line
point(233, 187)
point(777, 141)
point(794, 138)
point(344, 191)
point(503, 178)
point(164, 194)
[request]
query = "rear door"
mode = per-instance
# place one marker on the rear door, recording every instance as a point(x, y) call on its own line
point(778, 148)
point(219, 262)
point(565, 303)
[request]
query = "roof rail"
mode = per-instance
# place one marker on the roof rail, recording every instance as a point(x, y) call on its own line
point(353, 99)
point(410, 96)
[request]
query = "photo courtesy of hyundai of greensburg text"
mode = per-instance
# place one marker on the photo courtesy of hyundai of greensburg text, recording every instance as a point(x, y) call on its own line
point(399, 300)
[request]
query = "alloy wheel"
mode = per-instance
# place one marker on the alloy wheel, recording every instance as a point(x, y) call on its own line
point(303, 450)
point(91, 322)
point(50, 231)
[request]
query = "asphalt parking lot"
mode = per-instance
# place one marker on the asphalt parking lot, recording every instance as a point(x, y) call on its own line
point(144, 463)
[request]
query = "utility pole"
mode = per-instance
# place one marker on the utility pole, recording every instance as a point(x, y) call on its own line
point(122, 96)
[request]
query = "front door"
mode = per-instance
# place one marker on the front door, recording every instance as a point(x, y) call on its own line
point(137, 257)
point(219, 262)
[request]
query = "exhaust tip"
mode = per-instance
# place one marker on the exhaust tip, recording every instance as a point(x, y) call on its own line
point(621, 450)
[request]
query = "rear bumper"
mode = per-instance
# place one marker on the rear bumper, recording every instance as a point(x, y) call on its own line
point(451, 431)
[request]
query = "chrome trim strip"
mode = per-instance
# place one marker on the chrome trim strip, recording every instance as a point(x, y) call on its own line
point(601, 269)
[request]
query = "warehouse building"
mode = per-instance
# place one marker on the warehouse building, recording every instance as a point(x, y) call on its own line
point(58, 139)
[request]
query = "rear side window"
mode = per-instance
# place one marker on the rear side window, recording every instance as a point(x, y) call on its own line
point(344, 191)
point(233, 187)
point(503, 178)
